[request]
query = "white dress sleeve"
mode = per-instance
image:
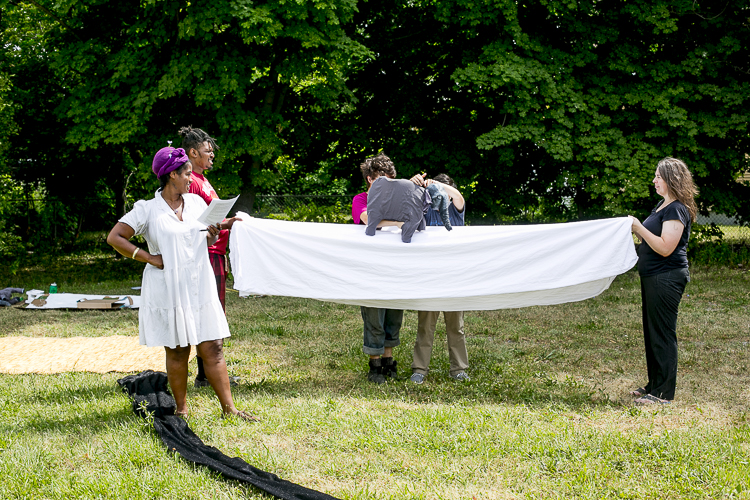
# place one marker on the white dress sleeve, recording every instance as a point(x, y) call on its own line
point(138, 217)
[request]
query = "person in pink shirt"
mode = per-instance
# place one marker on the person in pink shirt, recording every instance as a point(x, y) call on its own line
point(381, 326)
point(200, 148)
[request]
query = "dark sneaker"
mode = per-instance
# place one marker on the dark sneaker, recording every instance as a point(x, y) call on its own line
point(461, 376)
point(389, 368)
point(375, 374)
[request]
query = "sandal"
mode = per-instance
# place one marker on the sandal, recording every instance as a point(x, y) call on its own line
point(648, 399)
point(638, 392)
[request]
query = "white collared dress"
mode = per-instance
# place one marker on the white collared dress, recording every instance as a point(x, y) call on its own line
point(179, 304)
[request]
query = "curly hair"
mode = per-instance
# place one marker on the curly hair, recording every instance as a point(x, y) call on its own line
point(193, 138)
point(376, 166)
point(680, 183)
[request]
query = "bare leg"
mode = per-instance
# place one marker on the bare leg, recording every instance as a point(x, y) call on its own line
point(212, 352)
point(387, 353)
point(177, 372)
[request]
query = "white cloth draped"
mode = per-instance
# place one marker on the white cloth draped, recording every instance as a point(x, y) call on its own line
point(469, 268)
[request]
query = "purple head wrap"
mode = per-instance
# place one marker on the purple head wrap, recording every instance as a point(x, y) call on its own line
point(168, 159)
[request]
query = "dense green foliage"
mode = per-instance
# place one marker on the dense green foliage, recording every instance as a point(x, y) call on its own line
point(128, 74)
point(546, 110)
point(557, 108)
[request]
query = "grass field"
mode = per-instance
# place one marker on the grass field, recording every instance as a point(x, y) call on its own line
point(736, 234)
point(546, 414)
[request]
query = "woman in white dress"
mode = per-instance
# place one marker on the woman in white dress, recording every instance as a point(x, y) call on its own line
point(180, 306)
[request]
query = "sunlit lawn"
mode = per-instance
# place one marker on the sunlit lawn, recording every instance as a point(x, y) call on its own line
point(545, 415)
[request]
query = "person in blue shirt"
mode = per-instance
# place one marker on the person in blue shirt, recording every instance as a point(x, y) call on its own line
point(454, 320)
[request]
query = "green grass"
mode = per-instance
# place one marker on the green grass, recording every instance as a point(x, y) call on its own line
point(546, 414)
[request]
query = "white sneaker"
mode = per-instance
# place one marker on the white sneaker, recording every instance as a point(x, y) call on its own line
point(417, 378)
point(461, 376)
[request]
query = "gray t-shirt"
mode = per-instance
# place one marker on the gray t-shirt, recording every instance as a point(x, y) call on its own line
point(396, 199)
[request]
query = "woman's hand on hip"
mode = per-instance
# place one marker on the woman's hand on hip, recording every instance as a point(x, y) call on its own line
point(156, 261)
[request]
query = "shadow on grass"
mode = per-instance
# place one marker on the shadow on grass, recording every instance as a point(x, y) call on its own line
point(73, 403)
point(72, 323)
point(80, 423)
point(63, 388)
point(514, 384)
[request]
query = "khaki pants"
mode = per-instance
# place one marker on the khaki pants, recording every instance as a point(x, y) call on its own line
point(454, 327)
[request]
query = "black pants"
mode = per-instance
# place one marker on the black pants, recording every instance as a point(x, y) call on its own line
point(661, 295)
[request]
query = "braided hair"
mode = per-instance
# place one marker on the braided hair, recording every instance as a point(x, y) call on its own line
point(193, 138)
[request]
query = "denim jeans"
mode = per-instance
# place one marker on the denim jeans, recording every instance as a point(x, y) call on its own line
point(381, 329)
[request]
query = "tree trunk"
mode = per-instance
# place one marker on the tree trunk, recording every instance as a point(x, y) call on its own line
point(122, 191)
point(246, 201)
point(118, 188)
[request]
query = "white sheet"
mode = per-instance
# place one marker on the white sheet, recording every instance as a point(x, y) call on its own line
point(469, 268)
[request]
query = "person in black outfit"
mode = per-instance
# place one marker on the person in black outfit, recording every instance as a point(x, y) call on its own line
point(663, 267)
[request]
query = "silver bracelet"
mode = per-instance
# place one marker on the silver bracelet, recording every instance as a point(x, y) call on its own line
point(135, 252)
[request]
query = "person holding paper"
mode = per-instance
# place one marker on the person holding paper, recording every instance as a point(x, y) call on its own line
point(200, 147)
point(180, 306)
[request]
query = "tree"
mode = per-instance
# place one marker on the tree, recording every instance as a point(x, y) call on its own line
point(601, 90)
point(552, 107)
point(133, 72)
point(547, 108)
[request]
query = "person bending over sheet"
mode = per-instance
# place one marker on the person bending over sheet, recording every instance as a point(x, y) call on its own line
point(396, 199)
point(381, 326)
point(454, 320)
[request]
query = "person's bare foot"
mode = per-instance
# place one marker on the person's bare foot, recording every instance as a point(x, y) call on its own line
point(242, 415)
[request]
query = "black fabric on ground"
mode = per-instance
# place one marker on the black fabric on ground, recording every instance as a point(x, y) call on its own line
point(150, 387)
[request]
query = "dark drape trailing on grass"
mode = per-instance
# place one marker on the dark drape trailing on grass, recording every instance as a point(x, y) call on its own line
point(151, 396)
